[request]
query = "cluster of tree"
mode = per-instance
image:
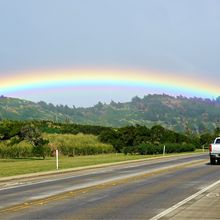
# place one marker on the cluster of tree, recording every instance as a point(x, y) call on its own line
point(133, 136)
point(15, 132)
point(10, 128)
point(68, 128)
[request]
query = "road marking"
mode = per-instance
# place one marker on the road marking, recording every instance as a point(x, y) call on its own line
point(183, 202)
point(97, 198)
point(126, 171)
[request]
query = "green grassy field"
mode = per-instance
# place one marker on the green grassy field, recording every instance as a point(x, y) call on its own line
point(10, 167)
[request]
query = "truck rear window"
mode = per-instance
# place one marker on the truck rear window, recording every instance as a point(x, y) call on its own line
point(217, 141)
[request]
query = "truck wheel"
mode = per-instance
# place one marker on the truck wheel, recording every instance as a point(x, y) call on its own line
point(212, 160)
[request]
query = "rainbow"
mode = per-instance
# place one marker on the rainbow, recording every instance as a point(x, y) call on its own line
point(76, 78)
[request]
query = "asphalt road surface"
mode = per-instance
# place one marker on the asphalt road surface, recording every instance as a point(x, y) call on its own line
point(139, 190)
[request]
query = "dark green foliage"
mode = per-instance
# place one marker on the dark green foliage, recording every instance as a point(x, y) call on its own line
point(112, 137)
point(85, 129)
point(68, 128)
point(145, 149)
point(206, 139)
point(9, 129)
point(132, 136)
point(34, 137)
point(217, 131)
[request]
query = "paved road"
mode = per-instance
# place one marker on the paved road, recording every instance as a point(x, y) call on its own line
point(132, 191)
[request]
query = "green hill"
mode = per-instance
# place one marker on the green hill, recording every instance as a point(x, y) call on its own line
point(176, 113)
point(18, 109)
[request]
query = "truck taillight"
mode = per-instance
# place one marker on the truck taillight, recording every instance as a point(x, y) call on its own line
point(210, 147)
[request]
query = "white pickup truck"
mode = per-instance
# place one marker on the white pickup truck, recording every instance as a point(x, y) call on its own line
point(214, 151)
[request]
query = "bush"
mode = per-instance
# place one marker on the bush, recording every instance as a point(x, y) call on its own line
point(145, 149)
point(22, 149)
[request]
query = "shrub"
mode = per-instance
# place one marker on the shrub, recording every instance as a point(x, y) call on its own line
point(22, 149)
point(144, 149)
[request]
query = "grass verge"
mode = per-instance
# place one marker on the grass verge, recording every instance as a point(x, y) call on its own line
point(11, 167)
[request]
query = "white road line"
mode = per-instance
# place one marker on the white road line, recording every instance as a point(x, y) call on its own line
point(96, 198)
point(167, 211)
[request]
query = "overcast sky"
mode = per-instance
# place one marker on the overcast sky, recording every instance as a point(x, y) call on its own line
point(167, 35)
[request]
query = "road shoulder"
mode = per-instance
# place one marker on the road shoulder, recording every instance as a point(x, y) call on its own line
point(204, 205)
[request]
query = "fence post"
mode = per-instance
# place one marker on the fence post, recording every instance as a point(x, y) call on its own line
point(164, 150)
point(57, 162)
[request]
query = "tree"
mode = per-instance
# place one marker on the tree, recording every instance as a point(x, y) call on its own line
point(34, 137)
point(157, 132)
point(217, 131)
point(206, 139)
point(9, 129)
point(113, 137)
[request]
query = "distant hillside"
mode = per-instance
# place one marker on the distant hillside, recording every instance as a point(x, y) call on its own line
point(176, 113)
point(18, 109)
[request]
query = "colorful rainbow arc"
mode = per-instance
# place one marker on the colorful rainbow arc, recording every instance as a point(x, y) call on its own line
point(110, 78)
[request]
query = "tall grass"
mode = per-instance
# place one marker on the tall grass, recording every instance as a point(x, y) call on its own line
point(22, 149)
point(80, 144)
